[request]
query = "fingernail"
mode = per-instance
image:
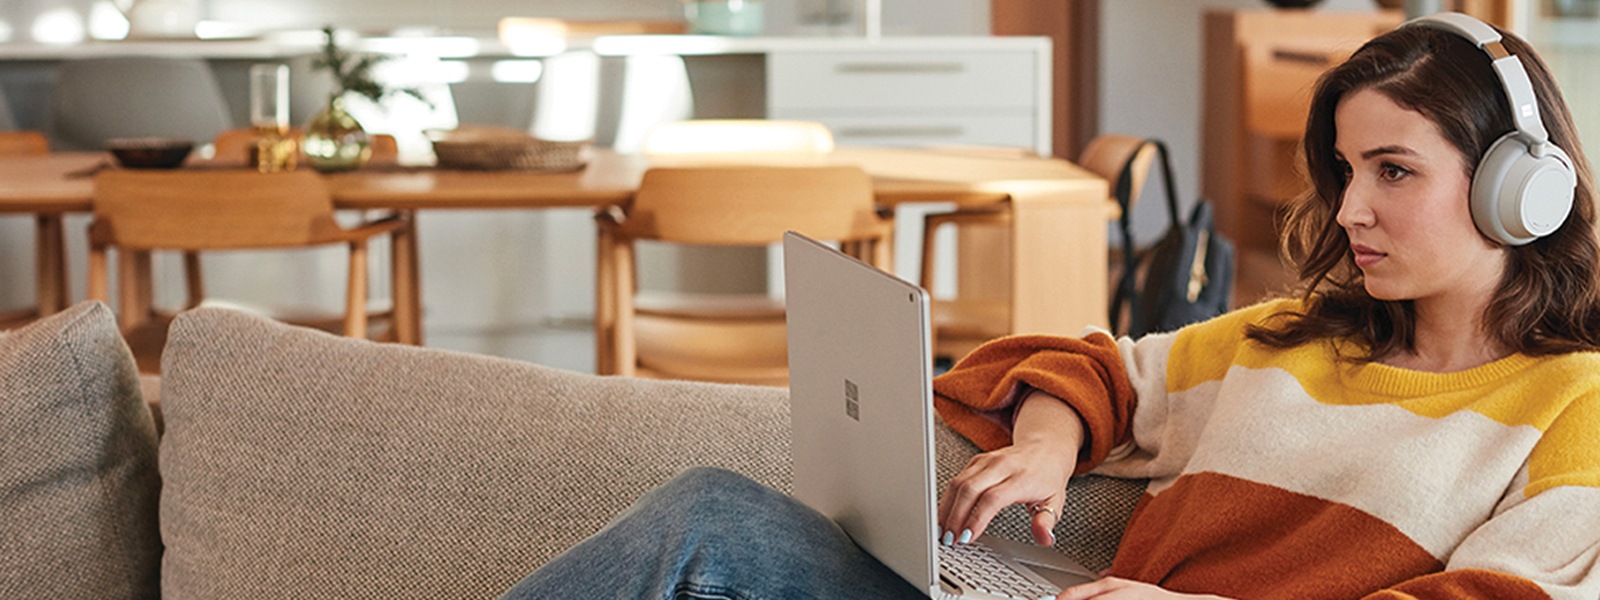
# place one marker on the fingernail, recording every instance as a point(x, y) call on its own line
point(1052, 536)
point(949, 538)
point(966, 536)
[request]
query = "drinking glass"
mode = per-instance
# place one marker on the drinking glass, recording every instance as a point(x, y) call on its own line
point(275, 150)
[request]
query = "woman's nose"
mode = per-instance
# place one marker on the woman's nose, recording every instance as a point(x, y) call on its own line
point(1354, 211)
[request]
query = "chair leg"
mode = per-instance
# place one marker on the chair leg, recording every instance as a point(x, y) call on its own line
point(404, 279)
point(930, 230)
point(134, 307)
point(626, 357)
point(355, 310)
point(196, 284)
point(144, 263)
point(51, 250)
point(605, 307)
point(99, 274)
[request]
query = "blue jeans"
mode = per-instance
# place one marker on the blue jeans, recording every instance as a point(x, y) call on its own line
point(714, 534)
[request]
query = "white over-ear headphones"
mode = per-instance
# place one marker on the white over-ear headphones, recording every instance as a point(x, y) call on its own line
point(1524, 184)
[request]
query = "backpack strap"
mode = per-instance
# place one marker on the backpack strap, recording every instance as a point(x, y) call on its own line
point(1125, 291)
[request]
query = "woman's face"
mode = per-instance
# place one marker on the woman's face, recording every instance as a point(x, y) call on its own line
point(1405, 205)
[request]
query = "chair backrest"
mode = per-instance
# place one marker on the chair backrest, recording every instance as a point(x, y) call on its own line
point(233, 145)
point(98, 99)
point(201, 210)
point(23, 143)
point(1107, 154)
point(737, 136)
point(747, 205)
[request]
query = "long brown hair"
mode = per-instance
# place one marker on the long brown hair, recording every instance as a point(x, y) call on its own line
point(1548, 298)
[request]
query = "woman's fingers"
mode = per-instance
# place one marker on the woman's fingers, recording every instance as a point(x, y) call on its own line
point(991, 482)
point(1045, 516)
point(965, 494)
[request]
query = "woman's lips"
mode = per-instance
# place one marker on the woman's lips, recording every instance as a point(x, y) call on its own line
point(1366, 256)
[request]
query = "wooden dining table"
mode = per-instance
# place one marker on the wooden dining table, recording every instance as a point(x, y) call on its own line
point(1056, 282)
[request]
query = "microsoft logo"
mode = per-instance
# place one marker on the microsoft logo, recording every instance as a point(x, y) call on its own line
point(852, 400)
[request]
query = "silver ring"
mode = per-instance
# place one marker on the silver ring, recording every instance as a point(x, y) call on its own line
point(1040, 508)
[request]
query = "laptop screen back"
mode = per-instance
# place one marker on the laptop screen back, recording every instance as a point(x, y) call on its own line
point(860, 390)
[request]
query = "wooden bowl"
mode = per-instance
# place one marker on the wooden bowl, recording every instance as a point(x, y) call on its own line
point(150, 153)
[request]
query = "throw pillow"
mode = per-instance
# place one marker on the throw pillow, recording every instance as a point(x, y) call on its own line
point(78, 479)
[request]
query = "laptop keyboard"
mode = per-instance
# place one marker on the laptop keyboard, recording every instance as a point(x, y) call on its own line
point(980, 568)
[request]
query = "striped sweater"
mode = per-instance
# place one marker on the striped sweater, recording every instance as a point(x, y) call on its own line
point(1291, 474)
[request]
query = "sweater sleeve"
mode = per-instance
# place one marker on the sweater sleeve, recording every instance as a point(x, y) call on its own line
point(1543, 540)
point(1106, 381)
point(978, 397)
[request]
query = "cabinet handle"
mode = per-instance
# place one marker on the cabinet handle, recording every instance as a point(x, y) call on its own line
point(908, 131)
point(879, 68)
point(1302, 57)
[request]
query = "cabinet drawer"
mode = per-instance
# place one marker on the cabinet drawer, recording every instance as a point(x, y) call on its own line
point(901, 80)
point(1016, 131)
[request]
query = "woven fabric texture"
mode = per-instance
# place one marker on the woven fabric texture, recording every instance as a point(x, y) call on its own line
point(303, 465)
point(78, 480)
point(1092, 520)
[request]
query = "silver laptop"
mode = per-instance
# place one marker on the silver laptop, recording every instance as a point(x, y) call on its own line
point(861, 395)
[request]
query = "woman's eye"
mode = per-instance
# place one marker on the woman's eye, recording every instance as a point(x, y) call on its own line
point(1392, 172)
point(1345, 171)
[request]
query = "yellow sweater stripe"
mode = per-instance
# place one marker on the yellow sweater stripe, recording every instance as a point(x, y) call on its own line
point(1513, 391)
point(1205, 353)
point(1568, 453)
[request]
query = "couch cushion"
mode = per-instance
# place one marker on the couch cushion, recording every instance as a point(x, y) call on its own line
point(78, 481)
point(299, 464)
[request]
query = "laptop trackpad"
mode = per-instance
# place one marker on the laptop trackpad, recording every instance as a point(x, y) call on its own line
point(1049, 564)
point(1061, 579)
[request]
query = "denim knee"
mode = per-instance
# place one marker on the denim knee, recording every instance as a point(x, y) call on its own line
point(710, 491)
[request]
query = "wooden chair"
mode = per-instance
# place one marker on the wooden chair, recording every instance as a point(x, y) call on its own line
point(959, 325)
point(138, 212)
point(49, 241)
point(233, 146)
point(23, 143)
point(730, 339)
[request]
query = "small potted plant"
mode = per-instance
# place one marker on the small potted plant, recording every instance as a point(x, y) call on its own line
point(334, 140)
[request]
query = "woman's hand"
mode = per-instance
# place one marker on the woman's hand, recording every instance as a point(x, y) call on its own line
point(1033, 471)
point(1112, 588)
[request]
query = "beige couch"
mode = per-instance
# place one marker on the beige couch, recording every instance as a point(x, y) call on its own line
point(294, 464)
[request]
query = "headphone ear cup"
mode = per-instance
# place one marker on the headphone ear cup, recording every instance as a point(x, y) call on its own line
point(1518, 196)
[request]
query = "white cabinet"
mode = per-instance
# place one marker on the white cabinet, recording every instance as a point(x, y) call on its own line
point(895, 91)
point(986, 91)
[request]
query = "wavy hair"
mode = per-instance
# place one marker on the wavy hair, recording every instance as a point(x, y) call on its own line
point(1547, 300)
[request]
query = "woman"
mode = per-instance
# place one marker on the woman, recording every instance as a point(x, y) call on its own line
point(1417, 421)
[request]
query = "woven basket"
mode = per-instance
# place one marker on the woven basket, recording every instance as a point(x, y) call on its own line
point(502, 154)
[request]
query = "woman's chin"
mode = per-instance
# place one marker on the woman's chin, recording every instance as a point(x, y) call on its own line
point(1379, 291)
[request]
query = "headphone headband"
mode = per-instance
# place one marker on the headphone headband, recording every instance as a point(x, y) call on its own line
point(1513, 76)
point(1522, 187)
